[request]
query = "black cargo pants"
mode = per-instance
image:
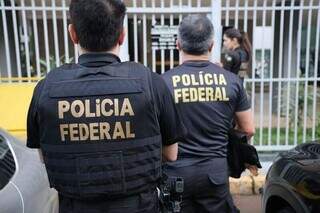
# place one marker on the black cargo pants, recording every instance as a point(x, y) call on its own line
point(206, 187)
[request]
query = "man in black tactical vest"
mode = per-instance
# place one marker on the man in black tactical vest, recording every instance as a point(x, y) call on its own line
point(102, 126)
point(208, 98)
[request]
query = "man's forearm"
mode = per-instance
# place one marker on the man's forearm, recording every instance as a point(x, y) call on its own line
point(170, 152)
point(40, 155)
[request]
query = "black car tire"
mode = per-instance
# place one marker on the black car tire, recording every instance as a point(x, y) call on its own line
point(287, 209)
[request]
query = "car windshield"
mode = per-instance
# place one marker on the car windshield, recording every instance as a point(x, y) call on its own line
point(7, 164)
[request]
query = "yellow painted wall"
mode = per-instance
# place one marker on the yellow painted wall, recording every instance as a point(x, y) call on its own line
point(14, 103)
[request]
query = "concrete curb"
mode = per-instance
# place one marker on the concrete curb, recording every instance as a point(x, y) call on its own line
point(246, 185)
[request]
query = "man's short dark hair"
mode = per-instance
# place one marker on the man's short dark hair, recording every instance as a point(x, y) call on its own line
point(196, 34)
point(98, 23)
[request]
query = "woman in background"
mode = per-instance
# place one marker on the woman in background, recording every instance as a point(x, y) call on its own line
point(238, 52)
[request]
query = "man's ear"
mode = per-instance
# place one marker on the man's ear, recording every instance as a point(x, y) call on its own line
point(211, 46)
point(178, 44)
point(73, 34)
point(122, 37)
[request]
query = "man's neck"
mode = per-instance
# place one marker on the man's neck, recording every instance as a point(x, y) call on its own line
point(187, 57)
point(114, 51)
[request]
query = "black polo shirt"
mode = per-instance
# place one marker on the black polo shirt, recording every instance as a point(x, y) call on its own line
point(170, 124)
point(207, 97)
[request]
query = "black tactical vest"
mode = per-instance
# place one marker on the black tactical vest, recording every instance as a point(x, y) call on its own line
point(99, 130)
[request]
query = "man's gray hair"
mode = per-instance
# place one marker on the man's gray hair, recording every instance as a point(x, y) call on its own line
point(196, 34)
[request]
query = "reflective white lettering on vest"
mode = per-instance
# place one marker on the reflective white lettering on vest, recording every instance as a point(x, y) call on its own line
point(126, 108)
point(129, 134)
point(118, 131)
point(63, 106)
point(83, 132)
point(104, 111)
point(104, 131)
point(98, 109)
point(77, 104)
point(63, 131)
point(74, 132)
point(94, 131)
point(88, 113)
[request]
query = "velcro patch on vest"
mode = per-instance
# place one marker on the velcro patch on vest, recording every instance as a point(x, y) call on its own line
point(95, 131)
point(91, 87)
point(104, 117)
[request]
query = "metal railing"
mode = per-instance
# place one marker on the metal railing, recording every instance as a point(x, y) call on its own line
point(291, 94)
point(283, 81)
